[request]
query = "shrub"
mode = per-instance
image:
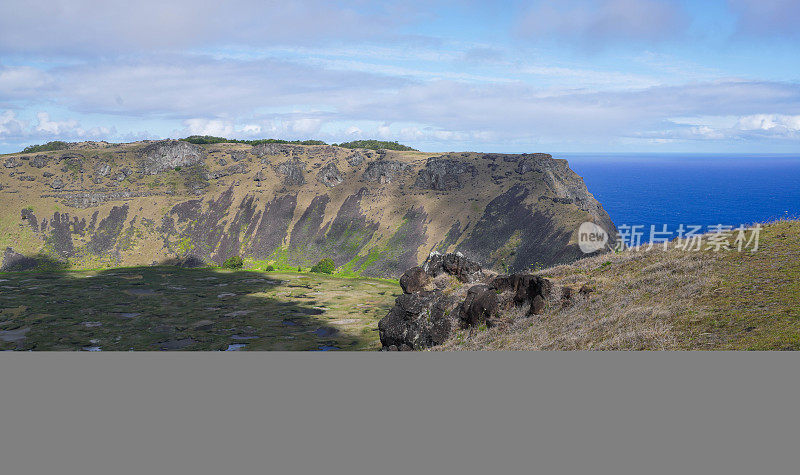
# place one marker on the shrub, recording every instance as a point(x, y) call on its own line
point(269, 268)
point(48, 147)
point(377, 145)
point(324, 266)
point(233, 262)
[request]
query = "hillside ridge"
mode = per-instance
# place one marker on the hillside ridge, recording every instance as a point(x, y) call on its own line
point(375, 213)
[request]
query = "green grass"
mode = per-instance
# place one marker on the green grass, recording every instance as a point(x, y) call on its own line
point(148, 308)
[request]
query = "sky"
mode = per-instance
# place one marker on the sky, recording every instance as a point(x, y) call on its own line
point(579, 76)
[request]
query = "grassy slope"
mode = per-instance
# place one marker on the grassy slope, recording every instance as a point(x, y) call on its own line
point(668, 300)
point(149, 308)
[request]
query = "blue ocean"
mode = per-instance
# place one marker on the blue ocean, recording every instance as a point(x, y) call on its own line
point(705, 190)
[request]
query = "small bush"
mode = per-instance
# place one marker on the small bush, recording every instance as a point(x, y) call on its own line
point(325, 266)
point(269, 268)
point(233, 262)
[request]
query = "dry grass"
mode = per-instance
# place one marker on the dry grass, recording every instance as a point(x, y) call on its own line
point(665, 300)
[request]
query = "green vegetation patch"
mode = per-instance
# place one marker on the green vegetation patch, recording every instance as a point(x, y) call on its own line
point(377, 145)
point(150, 308)
point(47, 147)
point(209, 139)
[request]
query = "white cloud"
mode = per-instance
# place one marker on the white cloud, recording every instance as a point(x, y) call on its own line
point(353, 130)
point(10, 125)
point(769, 122)
point(54, 127)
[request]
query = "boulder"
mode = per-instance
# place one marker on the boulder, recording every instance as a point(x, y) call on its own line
point(479, 306)
point(414, 280)
point(329, 175)
point(166, 155)
point(444, 174)
point(419, 320)
point(454, 264)
point(528, 289)
point(57, 184)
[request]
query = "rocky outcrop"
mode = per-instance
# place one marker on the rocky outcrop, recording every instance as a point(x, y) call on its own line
point(528, 290)
point(12, 162)
point(423, 317)
point(443, 174)
point(356, 158)
point(40, 161)
point(414, 280)
point(480, 306)
point(293, 172)
point(416, 321)
point(330, 176)
point(383, 171)
point(168, 154)
point(454, 264)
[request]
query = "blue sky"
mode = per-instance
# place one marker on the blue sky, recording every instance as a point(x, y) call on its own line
point(568, 76)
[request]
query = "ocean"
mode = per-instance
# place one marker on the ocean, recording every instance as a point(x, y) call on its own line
point(701, 190)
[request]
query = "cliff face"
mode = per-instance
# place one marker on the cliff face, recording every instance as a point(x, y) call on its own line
point(373, 212)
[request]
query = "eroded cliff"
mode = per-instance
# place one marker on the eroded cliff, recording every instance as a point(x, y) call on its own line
point(375, 213)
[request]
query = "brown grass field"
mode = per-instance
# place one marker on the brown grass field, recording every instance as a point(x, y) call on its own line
point(666, 300)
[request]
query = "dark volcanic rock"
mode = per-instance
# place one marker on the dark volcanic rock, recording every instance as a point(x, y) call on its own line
point(167, 154)
point(528, 289)
point(12, 162)
point(454, 264)
point(329, 175)
point(416, 321)
point(414, 280)
point(57, 184)
point(40, 161)
point(293, 171)
point(479, 306)
point(383, 171)
point(356, 158)
point(14, 261)
point(444, 174)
